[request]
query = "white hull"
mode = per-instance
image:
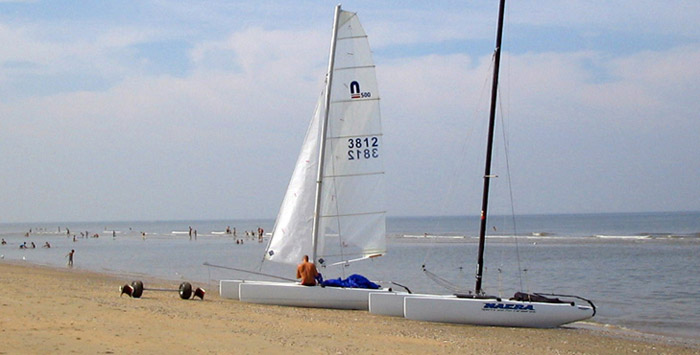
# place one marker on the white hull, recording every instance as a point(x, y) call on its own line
point(387, 304)
point(391, 303)
point(229, 289)
point(294, 294)
point(492, 312)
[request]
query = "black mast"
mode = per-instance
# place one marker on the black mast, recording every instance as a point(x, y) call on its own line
point(489, 149)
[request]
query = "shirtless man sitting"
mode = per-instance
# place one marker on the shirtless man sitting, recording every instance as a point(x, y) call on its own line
point(307, 272)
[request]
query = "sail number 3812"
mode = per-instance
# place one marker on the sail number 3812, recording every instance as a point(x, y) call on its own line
point(363, 148)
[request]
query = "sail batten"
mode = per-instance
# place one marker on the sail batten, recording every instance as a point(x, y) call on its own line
point(357, 67)
point(345, 101)
point(351, 214)
point(352, 175)
point(355, 136)
point(350, 37)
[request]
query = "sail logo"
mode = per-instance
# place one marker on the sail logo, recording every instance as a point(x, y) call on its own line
point(508, 307)
point(356, 93)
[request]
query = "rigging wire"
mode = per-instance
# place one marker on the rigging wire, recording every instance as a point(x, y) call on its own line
point(458, 170)
point(512, 200)
point(505, 100)
point(441, 281)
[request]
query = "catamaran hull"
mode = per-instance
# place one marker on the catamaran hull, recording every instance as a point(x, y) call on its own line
point(294, 294)
point(493, 312)
point(229, 288)
point(387, 304)
point(391, 303)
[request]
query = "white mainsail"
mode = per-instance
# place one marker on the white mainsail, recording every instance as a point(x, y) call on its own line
point(352, 216)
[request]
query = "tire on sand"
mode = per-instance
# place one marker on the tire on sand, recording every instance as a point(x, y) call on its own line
point(185, 290)
point(138, 289)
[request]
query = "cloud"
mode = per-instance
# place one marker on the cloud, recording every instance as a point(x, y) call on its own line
point(677, 17)
point(580, 124)
point(91, 130)
point(152, 135)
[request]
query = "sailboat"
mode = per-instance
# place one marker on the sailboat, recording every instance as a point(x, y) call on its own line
point(478, 308)
point(333, 208)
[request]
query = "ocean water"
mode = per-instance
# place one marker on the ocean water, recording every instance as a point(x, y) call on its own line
point(642, 271)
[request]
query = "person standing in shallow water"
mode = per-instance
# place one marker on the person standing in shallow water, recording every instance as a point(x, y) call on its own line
point(307, 272)
point(70, 257)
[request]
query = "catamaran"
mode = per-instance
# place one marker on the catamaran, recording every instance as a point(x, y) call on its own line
point(333, 209)
point(478, 308)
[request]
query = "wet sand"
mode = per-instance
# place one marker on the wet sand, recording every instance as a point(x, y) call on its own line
point(44, 310)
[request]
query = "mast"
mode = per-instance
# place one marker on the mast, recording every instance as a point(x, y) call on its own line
point(324, 128)
point(489, 149)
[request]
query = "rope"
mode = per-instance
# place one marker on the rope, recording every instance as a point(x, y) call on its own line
point(570, 296)
point(443, 282)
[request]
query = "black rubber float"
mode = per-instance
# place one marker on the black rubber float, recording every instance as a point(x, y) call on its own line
point(185, 290)
point(138, 289)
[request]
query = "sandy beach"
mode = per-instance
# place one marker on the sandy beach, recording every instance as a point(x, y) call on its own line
point(45, 310)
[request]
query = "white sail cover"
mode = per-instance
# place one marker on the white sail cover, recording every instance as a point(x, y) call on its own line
point(352, 220)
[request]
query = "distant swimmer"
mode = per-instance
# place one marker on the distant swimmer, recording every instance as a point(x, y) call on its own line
point(47, 245)
point(23, 245)
point(33, 245)
point(3, 241)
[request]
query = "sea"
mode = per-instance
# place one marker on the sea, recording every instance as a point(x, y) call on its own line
point(641, 270)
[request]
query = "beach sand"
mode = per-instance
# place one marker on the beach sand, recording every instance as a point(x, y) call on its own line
point(45, 310)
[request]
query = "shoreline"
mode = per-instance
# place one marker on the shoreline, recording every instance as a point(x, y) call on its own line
point(47, 309)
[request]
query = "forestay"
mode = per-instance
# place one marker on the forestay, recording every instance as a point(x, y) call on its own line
point(352, 216)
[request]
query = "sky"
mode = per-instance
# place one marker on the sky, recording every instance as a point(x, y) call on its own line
point(160, 110)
